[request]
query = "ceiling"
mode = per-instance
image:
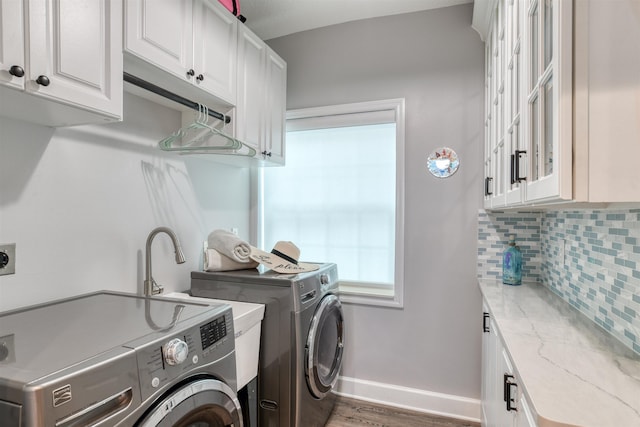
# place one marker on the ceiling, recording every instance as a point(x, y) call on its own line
point(274, 18)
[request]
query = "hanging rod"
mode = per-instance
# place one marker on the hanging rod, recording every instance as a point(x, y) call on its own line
point(170, 95)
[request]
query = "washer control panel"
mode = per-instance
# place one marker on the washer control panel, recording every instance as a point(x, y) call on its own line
point(191, 350)
point(213, 332)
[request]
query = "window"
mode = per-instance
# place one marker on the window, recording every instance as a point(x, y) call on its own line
point(340, 196)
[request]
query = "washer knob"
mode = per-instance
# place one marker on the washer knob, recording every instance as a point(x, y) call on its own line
point(175, 351)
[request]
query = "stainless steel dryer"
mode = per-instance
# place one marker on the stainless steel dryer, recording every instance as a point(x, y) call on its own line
point(113, 359)
point(301, 343)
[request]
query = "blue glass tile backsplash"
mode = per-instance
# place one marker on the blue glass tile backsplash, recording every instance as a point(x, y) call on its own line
point(589, 258)
point(494, 229)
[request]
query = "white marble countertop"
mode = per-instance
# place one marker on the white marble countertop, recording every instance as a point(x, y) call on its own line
point(573, 373)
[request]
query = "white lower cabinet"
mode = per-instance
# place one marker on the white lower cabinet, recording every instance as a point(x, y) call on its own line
point(504, 403)
point(524, 418)
point(61, 62)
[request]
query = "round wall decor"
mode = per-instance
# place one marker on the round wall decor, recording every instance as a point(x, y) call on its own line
point(443, 162)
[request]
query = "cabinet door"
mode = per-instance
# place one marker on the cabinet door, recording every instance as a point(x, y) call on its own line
point(12, 43)
point(488, 371)
point(251, 95)
point(75, 53)
point(524, 417)
point(489, 176)
point(495, 110)
point(548, 90)
point(515, 149)
point(506, 417)
point(161, 32)
point(215, 49)
point(276, 106)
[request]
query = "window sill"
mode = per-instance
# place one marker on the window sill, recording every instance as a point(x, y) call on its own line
point(369, 294)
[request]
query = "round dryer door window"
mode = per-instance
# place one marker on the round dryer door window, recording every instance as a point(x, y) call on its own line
point(201, 403)
point(325, 345)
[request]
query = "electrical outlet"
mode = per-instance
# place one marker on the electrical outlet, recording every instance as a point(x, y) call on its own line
point(7, 259)
point(7, 349)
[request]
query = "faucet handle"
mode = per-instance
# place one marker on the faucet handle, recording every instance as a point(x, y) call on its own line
point(155, 288)
point(152, 288)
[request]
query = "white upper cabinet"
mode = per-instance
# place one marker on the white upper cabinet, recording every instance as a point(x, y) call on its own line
point(528, 103)
point(561, 110)
point(276, 107)
point(250, 123)
point(188, 47)
point(198, 50)
point(215, 49)
point(496, 137)
point(547, 84)
point(64, 60)
point(161, 32)
point(607, 101)
point(12, 63)
point(261, 111)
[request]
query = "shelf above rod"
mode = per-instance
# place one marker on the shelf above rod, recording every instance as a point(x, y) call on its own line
point(129, 78)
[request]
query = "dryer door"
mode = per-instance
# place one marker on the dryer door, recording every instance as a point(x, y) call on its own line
point(325, 344)
point(201, 403)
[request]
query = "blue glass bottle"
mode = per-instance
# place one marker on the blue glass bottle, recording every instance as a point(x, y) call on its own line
point(512, 263)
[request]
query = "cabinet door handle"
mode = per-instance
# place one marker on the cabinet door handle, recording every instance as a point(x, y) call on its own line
point(485, 325)
point(487, 184)
point(516, 157)
point(513, 169)
point(265, 153)
point(508, 397)
point(16, 71)
point(191, 72)
point(200, 77)
point(43, 80)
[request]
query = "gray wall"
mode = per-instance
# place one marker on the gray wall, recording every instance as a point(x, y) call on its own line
point(79, 203)
point(433, 59)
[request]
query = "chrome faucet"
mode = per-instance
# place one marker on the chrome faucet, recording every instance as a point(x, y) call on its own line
point(150, 285)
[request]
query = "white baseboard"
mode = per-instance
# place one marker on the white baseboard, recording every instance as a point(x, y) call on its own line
point(429, 402)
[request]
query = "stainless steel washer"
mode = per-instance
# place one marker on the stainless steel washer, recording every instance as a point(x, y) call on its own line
point(113, 359)
point(301, 343)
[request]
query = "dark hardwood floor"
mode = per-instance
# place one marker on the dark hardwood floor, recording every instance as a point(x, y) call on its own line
point(356, 413)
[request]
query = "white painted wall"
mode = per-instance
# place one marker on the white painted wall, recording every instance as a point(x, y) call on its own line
point(433, 59)
point(79, 203)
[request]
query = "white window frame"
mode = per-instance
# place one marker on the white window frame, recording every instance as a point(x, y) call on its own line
point(355, 292)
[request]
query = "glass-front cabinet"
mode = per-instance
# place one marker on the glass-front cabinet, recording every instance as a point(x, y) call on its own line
point(548, 97)
point(528, 117)
point(495, 110)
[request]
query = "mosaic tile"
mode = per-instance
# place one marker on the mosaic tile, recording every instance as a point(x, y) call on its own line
point(598, 274)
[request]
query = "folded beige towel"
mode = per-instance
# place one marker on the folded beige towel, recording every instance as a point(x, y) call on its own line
point(230, 245)
point(215, 261)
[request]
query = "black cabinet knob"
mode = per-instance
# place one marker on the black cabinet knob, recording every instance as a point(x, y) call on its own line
point(191, 72)
point(43, 81)
point(200, 77)
point(16, 71)
point(265, 153)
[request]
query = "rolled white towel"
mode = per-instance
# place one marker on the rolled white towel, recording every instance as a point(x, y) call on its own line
point(216, 261)
point(230, 245)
